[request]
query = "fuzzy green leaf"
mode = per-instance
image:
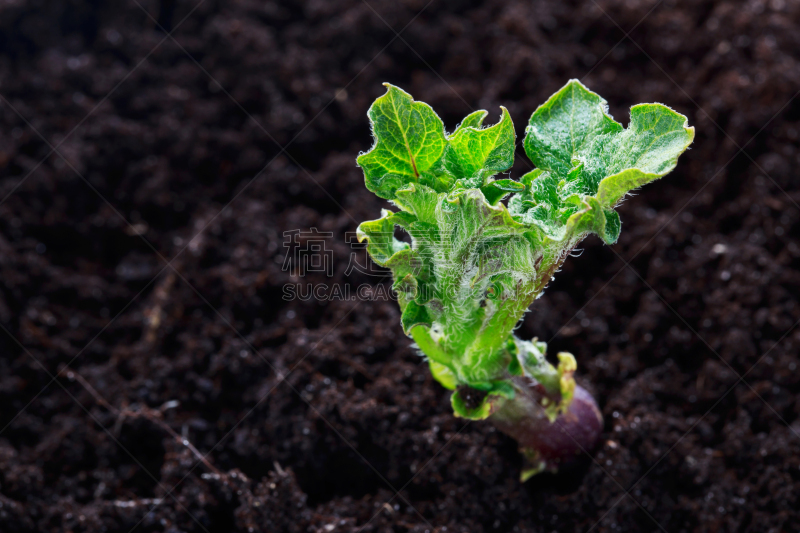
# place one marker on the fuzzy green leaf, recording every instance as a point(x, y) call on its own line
point(473, 120)
point(613, 226)
point(498, 189)
point(465, 217)
point(407, 261)
point(646, 151)
point(419, 200)
point(379, 234)
point(476, 154)
point(414, 315)
point(583, 153)
point(409, 142)
point(592, 219)
point(562, 126)
point(496, 392)
point(462, 408)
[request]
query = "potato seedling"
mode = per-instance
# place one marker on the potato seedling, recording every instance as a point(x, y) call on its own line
point(483, 249)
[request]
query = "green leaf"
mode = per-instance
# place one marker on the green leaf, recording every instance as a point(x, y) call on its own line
point(531, 357)
point(583, 153)
point(592, 219)
point(463, 408)
point(646, 151)
point(465, 217)
point(613, 226)
point(406, 286)
point(473, 120)
point(562, 126)
point(409, 142)
point(379, 234)
point(476, 154)
point(414, 315)
point(495, 393)
point(419, 200)
point(411, 288)
point(406, 262)
point(496, 190)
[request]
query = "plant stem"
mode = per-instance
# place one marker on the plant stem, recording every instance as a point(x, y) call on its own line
point(548, 445)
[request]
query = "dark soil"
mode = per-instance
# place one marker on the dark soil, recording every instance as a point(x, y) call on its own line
point(171, 150)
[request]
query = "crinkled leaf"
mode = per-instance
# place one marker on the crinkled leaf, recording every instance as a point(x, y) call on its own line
point(563, 125)
point(476, 154)
point(408, 262)
point(409, 287)
point(582, 152)
point(496, 190)
point(406, 286)
point(409, 142)
point(485, 269)
point(465, 217)
point(591, 219)
point(414, 315)
point(419, 200)
point(480, 243)
point(381, 242)
point(411, 268)
point(646, 151)
point(570, 220)
point(473, 120)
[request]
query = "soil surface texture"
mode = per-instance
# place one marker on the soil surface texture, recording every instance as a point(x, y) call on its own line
point(162, 165)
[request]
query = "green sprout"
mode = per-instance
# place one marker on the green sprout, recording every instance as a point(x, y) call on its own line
point(475, 264)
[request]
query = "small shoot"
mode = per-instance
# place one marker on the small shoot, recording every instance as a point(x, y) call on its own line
point(484, 247)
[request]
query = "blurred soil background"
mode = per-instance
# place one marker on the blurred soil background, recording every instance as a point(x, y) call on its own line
point(152, 157)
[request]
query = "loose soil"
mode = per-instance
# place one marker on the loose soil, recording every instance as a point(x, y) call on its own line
point(170, 150)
